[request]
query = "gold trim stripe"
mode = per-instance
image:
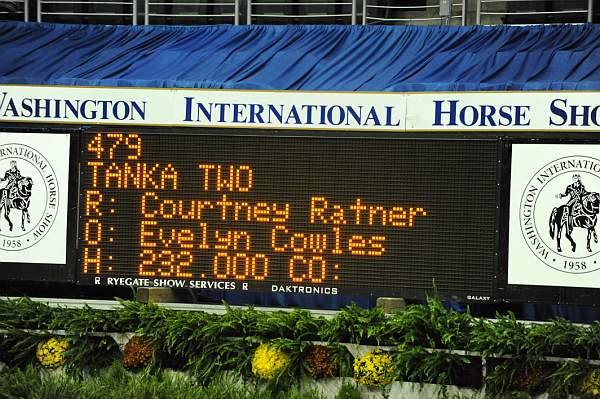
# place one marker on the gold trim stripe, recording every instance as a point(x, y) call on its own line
point(298, 91)
point(442, 130)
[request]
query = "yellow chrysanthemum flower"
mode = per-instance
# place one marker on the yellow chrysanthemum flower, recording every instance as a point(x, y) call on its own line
point(50, 353)
point(268, 361)
point(591, 384)
point(374, 368)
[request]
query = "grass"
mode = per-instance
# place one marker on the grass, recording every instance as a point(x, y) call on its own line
point(117, 383)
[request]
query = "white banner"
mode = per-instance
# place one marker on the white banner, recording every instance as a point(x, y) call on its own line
point(483, 111)
point(554, 197)
point(460, 111)
point(34, 183)
point(202, 108)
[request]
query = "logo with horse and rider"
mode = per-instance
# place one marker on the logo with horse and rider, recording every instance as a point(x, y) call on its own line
point(29, 196)
point(559, 213)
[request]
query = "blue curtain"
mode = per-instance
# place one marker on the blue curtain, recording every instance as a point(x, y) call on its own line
point(335, 58)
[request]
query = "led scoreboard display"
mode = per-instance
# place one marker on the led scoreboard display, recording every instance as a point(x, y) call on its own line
point(301, 214)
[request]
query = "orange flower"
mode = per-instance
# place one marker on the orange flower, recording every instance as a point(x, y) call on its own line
point(320, 362)
point(137, 352)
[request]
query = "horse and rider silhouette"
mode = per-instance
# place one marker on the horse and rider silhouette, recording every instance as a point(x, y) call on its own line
point(580, 211)
point(16, 194)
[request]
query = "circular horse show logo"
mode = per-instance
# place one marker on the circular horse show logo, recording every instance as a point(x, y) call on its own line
point(28, 196)
point(559, 212)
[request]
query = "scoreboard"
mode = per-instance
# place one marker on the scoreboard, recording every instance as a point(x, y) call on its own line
point(402, 194)
point(305, 214)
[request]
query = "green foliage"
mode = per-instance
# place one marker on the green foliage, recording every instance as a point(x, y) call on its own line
point(206, 344)
point(566, 378)
point(116, 383)
point(499, 376)
point(223, 355)
point(514, 374)
point(355, 324)
point(344, 359)
point(25, 313)
point(17, 347)
point(297, 324)
point(432, 326)
point(562, 338)
point(199, 340)
point(90, 354)
point(141, 318)
point(235, 322)
point(589, 340)
point(296, 350)
point(348, 390)
point(506, 336)
point(182, 338)
point(417, 364)
point(83, 321)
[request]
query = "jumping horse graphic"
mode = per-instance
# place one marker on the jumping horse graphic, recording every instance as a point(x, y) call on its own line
point(584, 215)
point(17, 197)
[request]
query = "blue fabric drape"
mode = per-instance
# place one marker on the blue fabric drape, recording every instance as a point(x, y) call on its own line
point(333, 58)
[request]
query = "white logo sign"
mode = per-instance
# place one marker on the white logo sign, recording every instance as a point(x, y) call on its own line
point(555, 205)
point(33, 197)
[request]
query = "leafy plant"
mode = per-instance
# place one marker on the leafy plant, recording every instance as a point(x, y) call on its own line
point(18, 347)
point(417, 364)
point(561, 338)
point(297, 324)
point(206, 345)
point(348, 391)
point(355, 324)
point(507, 336)
point(567, 378)
point(432, 326)
point(343, 358)
point(589, 340)
point(90, 354)
point(532, 378)
point(516, 375)
point(25, 313)
point(500, 374)
point(83, 320)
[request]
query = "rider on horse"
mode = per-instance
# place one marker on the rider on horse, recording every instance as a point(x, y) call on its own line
point(576, 191)
point(12, 175)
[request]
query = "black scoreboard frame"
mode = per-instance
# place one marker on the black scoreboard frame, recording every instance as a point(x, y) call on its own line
point(52, 272)
point(403, 291)
point(503, 291)
point(532, 293)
